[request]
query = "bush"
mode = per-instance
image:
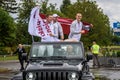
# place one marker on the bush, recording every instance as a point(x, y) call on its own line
point(6, 50)
point(114, 54)
point(118, 54)
point(107, 54)
point(3, 52)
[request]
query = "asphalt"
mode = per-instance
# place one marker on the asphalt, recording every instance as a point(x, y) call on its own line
point(13, 67)
point(8, 69)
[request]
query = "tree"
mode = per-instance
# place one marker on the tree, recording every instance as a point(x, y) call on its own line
point(51, 9)
point(23, 18)
point(7, 29)
point(64, 6)
point(9, 5)
point(101, 32)
point(116, 40)
point(44, 8)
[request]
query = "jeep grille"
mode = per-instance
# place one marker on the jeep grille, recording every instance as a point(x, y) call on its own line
point(52, 75)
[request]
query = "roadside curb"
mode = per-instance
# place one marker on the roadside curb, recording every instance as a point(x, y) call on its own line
point(5, 77)
point(105, 68)
point(9, 61)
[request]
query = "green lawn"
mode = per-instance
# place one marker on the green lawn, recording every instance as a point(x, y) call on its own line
point(5, 58)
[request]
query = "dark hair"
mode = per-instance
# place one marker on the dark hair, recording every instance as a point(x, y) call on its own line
point(94, 40)
point(47, 15)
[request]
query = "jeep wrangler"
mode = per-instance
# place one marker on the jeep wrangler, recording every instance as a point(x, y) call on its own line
point(56, 61)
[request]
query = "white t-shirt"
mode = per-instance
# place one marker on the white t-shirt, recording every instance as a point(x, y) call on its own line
point(75, 30)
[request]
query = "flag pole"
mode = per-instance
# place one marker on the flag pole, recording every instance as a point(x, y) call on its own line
point(33, 39)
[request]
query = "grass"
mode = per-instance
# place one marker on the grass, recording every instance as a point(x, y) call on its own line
point(6, 58)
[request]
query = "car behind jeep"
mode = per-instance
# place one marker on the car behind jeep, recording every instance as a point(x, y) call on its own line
point(56, 61)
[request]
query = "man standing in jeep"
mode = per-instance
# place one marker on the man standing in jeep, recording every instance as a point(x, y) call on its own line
point(76, 28)
point(57, 27)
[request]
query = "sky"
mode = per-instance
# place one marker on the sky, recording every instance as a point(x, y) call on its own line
point(110, 8)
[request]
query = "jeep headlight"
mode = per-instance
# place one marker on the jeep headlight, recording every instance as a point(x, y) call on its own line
point(30, 76)
point(73, 76)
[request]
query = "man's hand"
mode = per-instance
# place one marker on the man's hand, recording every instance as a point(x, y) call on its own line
point(62, 37)
point(51, 34)
point(82, 31)
point(91, 25)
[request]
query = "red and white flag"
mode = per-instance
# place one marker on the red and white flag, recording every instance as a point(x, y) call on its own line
point(37, 26)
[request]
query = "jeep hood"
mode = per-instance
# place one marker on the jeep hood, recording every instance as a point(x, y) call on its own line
point(53, 65)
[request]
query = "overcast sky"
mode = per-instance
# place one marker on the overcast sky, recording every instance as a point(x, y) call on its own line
point(110, 8)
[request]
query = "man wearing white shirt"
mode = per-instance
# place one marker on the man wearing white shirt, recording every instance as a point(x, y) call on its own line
point(76, 28)
point(51, 37)
point(58, 31)
point(50, 24)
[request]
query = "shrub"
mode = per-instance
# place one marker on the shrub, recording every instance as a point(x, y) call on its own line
point(3, 52)
point(118, 54)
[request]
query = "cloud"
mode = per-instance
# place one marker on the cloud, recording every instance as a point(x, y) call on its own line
point(110, 8)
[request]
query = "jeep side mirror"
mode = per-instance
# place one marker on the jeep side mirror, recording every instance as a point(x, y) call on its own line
point(89, 57)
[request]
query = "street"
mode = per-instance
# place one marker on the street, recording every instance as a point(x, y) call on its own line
point(100, 74)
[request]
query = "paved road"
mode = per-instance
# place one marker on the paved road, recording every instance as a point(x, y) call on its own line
point(11, 65)
point(110, 73)
point(14, 66)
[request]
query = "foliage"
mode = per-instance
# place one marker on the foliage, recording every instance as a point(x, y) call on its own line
point(9, 5)
point(64, 6)
point(116, 40)
point(45, 9)
point(118, 54)
point(22, 26)
point(7, 29)
point(111, 51)
point(3, 52)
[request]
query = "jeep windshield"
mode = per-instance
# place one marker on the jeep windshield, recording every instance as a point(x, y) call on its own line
point(54, 50)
